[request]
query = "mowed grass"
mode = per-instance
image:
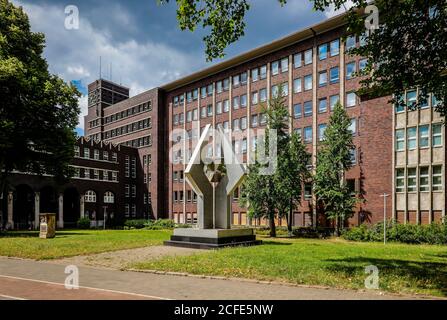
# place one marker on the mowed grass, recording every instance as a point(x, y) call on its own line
point(408, 269)
point(73, 243)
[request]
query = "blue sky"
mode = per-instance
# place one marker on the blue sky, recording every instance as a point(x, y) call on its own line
point(143, 40)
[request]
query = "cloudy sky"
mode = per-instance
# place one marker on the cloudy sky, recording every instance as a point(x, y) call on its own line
point(143, 40)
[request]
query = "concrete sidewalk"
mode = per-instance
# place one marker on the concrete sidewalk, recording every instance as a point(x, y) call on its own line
point(43, 280)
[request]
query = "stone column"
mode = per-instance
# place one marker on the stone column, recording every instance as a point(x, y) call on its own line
point(60, 223)
point(10, 224)
point(36, 210)
point(81, 206)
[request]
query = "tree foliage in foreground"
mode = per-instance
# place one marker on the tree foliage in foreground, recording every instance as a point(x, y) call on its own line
point(333, 161)
point(38, 111)
point(278, 194)
point(408, 51)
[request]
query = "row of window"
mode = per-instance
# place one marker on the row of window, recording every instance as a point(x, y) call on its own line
point(279, 66)
point(411, 98)
point(96, 174)
point(96, 154)
point(90, 197)
point(413, 140)
point(140, 142)
point(130, 210)
point(179, 196)
point(411, 179)
point(130, 190)
point(147, 106)
point(351, 101)
point(139, 125)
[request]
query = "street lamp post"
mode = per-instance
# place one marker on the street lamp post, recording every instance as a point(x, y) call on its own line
point(385, 195)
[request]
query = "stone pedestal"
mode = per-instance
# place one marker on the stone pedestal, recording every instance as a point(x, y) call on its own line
point(212, 238)
point(47, 225)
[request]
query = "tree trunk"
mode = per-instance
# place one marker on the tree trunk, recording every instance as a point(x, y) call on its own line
point(337, 226)
point(272, 226)
point(290, 220)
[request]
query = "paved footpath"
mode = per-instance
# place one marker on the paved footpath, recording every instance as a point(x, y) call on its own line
point(28, 279)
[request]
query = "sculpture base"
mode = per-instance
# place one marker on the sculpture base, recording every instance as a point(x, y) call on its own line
point(212, 238)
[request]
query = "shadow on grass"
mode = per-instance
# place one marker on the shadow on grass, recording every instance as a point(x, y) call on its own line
point(276, 243)
point(424, 275)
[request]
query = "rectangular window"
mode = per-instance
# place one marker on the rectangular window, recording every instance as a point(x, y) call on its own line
point(308, 108)
point(437, 135)
point(353, 156)
point(275, 91)
point(351, 99)
point(437, 178)
point(322, 51)
point(236, 103)
point(400, 180)
point(87, 173)
point(297, 131)
point(203, 92)
point(322, 79)
point(189, 116)
point(203, 112)
point(322, 105)
point(308, 57)
point(255, 75)
point(411, 138)
point(87, 153)
point(236, 124)
point(400, 140)
point(243, 101)
point(321, 130)
point(350, 42)
point(226, 84)
point(226, 105)
point(362, 64)
point(335, 48)
point(333, 101)
point(236, 81)
point(423, 179)
point(308, 135)
point(353, 126)
point(424, 134)
point(219, 107)
point(297, 85)
point(263, 95)
point(308, 82)
point(263, 72)
point(285, 65)
point(210, 89)
point(297, 60)
point(335, 75)
point(219, 86)
point(254, 121)
point(411, 180)
point(350, 70)
point(243, 77)
point(254, 98)
point(275, 68)
point(308, 192)
point(243, 123)
point(285, 89)
point(411, 98)
point(297, 113)
point(210, 110)
point(195, 94)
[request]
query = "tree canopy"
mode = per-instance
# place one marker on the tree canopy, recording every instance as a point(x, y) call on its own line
point(38, 111)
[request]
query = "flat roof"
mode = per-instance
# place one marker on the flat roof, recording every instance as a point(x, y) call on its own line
point(263, 50)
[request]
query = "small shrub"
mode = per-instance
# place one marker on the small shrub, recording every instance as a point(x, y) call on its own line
point(135, 224)
point(405, 233)
point(84, 223)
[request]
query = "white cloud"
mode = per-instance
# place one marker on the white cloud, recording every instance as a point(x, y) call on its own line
point(331, 12)
point(74, 54)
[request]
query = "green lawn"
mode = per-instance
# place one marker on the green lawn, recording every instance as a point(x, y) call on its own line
point(73, 243)
point(403, 268)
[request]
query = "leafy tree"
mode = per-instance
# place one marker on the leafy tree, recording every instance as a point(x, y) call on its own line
point(408, 51)
point(334, 159)
point(278, 194)
point(38, 111)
